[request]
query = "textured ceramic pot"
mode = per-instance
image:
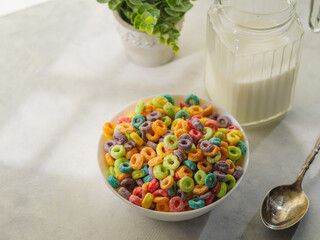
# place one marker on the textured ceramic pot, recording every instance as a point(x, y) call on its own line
point(142, 48)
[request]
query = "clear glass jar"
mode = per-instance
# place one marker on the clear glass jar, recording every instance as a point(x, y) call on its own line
point(253, 54)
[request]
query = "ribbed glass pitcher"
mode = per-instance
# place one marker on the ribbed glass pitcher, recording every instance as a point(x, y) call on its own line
point(253, 54)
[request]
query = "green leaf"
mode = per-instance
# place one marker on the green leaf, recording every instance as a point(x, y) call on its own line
point(171, 12)
point(144, 7)
point(103, 1)
point(137, 22)
point(175, 48)
point(150, 20)
point(154, 12)
point(142, 26)
point(135, 2)
point(179, 8)
point(170, 41)
point(133, 16)
point(115, 4)
point(149, 29)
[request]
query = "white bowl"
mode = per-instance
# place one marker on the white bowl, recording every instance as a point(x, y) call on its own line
point(171, 216)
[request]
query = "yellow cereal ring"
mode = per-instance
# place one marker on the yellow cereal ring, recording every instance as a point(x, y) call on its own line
point(147, 200)
point(160, 150)
point(135, 137)
point(200, 189)
point(195, 110)
point(126, 127)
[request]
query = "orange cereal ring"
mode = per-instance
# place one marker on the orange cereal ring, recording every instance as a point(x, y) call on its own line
point(108, 128)
point(163, 206)
point(131, 152)
point(195, 155)
point(145, 186)
point(184, 171)
point(160, 199)
point(224, 144)
point(140, 147)
point(232, 166)
point(204, 165)
point(208, 111)
point(159, 127)
point(126, 127)
point(181, 124)
point(179, 132)
point(186, 207)
point(155, 161)
point(136, 161)
point(214, 151)
point(148, 108)
point(152, 136)
point(148, 153)
point(167, 182)
point(200, 189)
point(109, 159)
point(161, 111)
point(122, 176)
point(195, 110)
point(224, 153)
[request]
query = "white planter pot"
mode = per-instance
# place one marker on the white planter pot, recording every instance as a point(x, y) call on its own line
point(142, 48)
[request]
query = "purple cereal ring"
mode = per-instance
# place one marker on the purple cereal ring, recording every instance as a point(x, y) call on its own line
point(197, 124)
point(144, 136)
point(124, 193)
point(128, 183)
point(206, 146)
point(168, 132)
point(152, 145)
point(222, 166)
point(154, 116)
point(161, 140)
point(224, 121)
point(145, 127)
point(179, 154)
point(119, 137)
point(139, 182)
point(184, 144)
point(220, 175)
point(181, 194)
point(109, 144)
point(150, 170)
point(238, 173)
point(214, 116)
point(186, 136)
point(205, 195)
point(129, 145)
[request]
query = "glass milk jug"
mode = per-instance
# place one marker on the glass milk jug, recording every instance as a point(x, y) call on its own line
point(253, 54)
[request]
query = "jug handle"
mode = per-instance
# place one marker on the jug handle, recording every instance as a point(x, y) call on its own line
point(314, 18)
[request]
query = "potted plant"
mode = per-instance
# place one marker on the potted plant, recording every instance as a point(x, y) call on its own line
point(149, 28)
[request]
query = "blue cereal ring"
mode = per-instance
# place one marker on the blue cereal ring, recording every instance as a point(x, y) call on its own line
point(216, 141)
point(182, 114)
point(169, 97)
point(125, 167)
point(242, 147)
point(147, 178)
point(137, 120)
point(145, 169)
point(211, 180)
point(190, 164)
point(196, 203)
point(192, 100)
point(113, 181)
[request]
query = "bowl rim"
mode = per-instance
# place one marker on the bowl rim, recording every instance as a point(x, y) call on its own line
point(193, 211)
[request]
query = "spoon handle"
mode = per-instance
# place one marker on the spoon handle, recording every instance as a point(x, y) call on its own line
point(307, 164)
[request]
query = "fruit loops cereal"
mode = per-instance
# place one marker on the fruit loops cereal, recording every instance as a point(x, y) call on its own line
point(173, 159)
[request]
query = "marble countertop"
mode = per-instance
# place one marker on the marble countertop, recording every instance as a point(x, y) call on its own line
point(63, 72)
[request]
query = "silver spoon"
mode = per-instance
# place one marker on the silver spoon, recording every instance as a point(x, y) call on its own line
point(285, 205)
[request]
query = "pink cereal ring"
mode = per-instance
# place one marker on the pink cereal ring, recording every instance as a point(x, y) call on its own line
point(183, 104)
point(190, 124)
point(161, 193)
point(154, 184)
point(216, 187)
point(138, 191)
point(176, 204)
point(195, 134)
point(196, 116)
point(213, 124)
point(209, 200)
point(167, 149)
point(123, 119)
point(232, 128)
point(135, 200)
point(176, 176)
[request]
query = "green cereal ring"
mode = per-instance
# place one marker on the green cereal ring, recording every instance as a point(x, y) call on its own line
point(186, 184)
point(192, 100)
point(160, 172)
point(139, 107)
point(117, 164)
point(182, 114)
point(110, 171)
point(171, 172)
point(171, 162)
point(138, 132)
point(171, 141)
point(116, 128)
point(137, 174)
point(220, 135)
point(118, 151)
point(113, 181)
point(234, 153)
point(230, 181)
point(128, 136)
point(242, 147)
point(159, 101)
point(208, 133)
point(169, 109)
point(222, 190)
point(200, 177)
point(169, 97)
point(167, 120)
point(185, 109)
point(215, 159)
